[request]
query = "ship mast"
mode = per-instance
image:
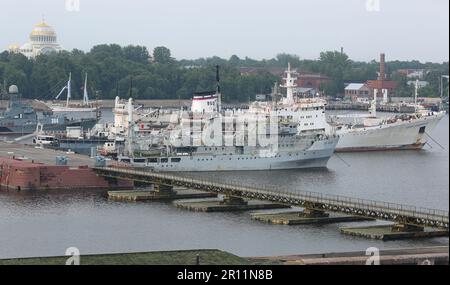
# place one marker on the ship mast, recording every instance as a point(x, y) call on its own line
point(68, 89)
point(290, 84)
point(130, 127)
point(416, 91)
point(85, 93)
point(274, 96)
point(219, 95)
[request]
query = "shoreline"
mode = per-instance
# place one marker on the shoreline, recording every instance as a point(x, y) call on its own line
point(436, 255)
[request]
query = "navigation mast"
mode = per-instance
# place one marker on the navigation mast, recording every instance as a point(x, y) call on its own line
point(85, 93)
point(290, 84)
point(218, 93)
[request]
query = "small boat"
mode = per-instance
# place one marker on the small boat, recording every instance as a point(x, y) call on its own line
point(111, 148)
point(45, 140)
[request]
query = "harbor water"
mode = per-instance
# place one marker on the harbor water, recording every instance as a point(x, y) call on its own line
point(48, 224)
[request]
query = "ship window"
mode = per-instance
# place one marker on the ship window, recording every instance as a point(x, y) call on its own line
point(422, 130)
point(125, 160)
point(164, 160)
point(139, 160)
point(175, 159)
point(152, 160)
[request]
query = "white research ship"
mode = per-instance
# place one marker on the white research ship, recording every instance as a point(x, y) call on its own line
point(301, 140)
point(399, 132)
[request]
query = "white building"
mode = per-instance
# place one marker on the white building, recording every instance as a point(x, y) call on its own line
point(357, 91)
point(43, 40)
point(420, 83)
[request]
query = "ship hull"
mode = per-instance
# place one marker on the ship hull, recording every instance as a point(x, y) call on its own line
point(60, 127)
point(409, 135)
point(12, 130)
point(68, 109)
point(316, 156)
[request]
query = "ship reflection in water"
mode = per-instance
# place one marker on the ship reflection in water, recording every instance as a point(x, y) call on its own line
point(42, 225)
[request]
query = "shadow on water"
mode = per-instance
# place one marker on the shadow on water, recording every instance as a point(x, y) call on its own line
point(276, 180)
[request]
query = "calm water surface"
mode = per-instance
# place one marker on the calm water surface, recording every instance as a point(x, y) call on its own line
point(45, 225)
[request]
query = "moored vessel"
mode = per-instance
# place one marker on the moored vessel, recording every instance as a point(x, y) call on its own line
point(280, 135)
point(400, 132)
point(20, 118)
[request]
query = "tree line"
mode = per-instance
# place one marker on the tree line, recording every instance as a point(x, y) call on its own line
point(132, 70)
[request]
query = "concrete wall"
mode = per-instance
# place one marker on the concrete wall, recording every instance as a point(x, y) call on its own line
point(20, 175)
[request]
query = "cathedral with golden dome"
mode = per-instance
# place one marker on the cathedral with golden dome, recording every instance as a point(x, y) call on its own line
point(43, 40)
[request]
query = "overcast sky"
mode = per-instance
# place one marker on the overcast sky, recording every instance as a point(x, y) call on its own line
point(403, 29)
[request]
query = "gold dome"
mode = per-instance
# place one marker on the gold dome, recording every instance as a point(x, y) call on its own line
point(42, 29)
point(14, 47)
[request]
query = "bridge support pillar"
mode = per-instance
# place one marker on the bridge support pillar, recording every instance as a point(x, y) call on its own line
point(314, 213)
point(163, 189)
point(406, 228)
point(233, 200)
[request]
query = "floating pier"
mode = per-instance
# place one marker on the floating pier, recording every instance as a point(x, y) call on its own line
point(394, 232)
point(156, 195)
point(398, 213)
point(302, 218)
point(228, 204)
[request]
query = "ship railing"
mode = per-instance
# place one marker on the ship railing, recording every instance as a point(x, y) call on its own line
point(297, 197)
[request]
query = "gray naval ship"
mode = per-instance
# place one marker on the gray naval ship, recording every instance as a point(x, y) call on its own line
point(19, 118)
point(292, 149)
point(294, 152)
point(302, 141)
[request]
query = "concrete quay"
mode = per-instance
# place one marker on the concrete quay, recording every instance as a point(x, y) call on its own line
point(46, 156)
point(25, 168)
point(437, 255)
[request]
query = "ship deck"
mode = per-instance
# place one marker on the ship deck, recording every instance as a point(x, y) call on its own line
point(46, 156)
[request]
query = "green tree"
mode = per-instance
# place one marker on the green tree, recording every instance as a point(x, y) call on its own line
point(14, 76)
point(335, 65)
point(284, 58)
point(162, 55)
point(136, 53)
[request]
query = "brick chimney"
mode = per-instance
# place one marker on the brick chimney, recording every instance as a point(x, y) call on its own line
point(382, 75)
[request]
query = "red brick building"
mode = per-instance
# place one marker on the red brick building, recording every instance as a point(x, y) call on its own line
point(312, 80)
point(388, 86)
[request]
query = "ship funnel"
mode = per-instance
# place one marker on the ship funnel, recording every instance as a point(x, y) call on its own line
point(219, 95)
point(218, 78)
